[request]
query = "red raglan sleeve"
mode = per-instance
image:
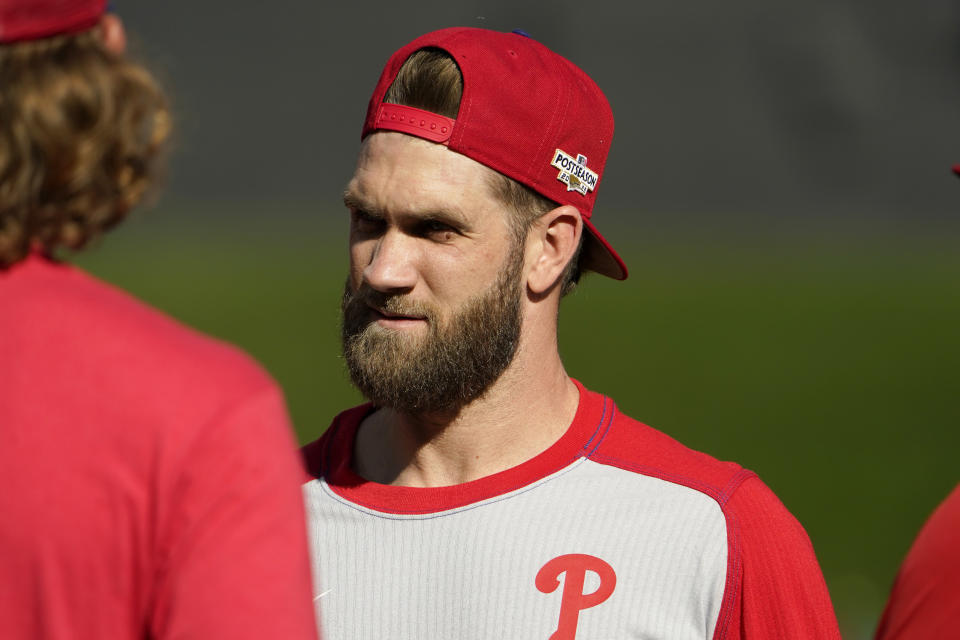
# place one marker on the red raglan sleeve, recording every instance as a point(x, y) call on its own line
point(782, 593)
point(232, 534)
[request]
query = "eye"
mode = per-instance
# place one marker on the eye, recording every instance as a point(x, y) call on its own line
point(364, 222)
point(438, 230)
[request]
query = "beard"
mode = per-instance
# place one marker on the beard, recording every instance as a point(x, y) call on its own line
point(452, 365)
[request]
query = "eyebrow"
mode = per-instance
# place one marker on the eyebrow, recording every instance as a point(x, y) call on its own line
point(354, 202)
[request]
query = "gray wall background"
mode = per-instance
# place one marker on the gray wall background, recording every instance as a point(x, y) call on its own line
point(829, 110)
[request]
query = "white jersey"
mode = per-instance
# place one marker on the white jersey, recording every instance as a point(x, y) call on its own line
point(615, 531)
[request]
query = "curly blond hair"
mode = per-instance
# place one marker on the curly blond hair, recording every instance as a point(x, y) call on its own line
point(82, 132)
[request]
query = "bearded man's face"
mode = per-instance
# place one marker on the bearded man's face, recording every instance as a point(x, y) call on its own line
point(433, 302)
point(454, 362)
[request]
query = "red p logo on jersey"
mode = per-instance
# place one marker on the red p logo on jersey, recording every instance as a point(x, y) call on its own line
point(574, 600)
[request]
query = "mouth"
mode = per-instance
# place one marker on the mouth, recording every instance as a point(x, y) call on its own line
point(395, 320)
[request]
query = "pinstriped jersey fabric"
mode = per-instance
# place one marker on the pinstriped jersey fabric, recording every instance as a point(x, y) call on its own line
point(471, 572)
point(616, 531)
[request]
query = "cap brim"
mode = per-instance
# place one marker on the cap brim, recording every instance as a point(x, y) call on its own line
point(599, 256)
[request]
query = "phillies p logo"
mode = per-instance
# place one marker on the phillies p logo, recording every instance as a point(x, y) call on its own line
point(574, 600)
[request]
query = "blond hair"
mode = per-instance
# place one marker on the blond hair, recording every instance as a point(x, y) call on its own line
point(82, 132)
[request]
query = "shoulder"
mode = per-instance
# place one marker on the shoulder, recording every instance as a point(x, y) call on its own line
point(634, 446)
point(62, 313)
point(96, 353)
point(748, 504)
point(332, 450)
point(775, 587)
point(926, 592)
point(936, 544)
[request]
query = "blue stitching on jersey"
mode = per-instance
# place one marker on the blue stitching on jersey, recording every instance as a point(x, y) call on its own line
point(613, 415)
point(603, 416)
point(739, 478)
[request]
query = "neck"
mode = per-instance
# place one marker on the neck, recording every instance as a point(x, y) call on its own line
point(525, 411)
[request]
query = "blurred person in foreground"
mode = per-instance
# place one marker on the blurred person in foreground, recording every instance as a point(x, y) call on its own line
point(149, 483)
point(482, 492)
point(925, 599)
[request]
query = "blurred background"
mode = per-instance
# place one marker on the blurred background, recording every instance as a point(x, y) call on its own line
point(779, 186)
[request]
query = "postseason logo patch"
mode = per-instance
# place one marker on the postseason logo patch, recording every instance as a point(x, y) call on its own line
point(574, 172)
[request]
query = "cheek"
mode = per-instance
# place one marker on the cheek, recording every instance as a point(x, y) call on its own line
point(360, 253)
point(459, 278)
point(355, 274)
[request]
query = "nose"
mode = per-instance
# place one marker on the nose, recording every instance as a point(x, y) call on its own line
point(391, 267)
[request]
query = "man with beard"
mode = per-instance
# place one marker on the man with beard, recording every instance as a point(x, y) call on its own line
point(482, 492)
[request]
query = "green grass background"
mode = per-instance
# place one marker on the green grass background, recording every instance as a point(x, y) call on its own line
point(824, 359)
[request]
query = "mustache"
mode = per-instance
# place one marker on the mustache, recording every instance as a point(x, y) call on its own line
point(357, 302)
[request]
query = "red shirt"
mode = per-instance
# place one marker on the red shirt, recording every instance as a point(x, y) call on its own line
point(149, 485)
point(925, 601)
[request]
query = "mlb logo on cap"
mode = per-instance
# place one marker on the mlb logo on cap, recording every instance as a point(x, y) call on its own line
point(34, 19)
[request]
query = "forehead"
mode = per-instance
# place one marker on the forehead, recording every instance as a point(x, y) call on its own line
point(403, 174)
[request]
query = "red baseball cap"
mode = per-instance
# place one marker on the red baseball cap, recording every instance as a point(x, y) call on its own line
point(526, 112)
point(33, 19)
point(956, 169)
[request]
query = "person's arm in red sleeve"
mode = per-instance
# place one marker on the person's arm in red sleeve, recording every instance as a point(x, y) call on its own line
point(782, 593)
point(232, 541)
point(925, 599)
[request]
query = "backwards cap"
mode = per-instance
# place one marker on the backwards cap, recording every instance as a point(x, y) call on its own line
point(526, 112)
point(33, 19)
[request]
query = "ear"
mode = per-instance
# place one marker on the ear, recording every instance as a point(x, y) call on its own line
point(551, 243)
point(113, 34)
